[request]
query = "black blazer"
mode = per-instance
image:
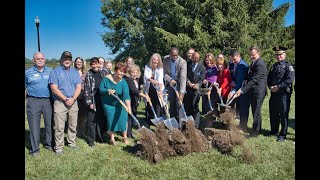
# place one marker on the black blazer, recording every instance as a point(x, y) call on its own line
point(197, 76)
point(256, 80)
point(133, 91)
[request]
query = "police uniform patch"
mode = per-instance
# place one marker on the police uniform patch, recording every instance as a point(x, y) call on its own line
point(291, 68)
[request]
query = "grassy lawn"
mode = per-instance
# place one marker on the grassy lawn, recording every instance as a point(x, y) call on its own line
point(273, 160)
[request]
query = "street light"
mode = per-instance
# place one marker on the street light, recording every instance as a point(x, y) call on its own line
point(37, 21)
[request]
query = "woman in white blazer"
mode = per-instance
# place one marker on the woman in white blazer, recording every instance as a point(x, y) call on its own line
point(153, 80)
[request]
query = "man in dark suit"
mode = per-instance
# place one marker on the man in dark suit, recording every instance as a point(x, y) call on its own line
point(256, 87)
point(239, 70)
point(195, 74)
point(175, 72)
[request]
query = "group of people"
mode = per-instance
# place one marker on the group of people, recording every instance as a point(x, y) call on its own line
point(86, 99)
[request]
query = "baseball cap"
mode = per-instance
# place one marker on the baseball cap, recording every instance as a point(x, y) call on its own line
point(66, 54)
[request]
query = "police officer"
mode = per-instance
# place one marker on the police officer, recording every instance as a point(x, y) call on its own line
point(280, 80)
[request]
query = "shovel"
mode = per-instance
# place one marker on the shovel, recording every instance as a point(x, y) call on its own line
point(203, 91)
point(220, 97)
point(132, 116)
point(209, 99)
point(156, 119)
point(170, 123)
point(186, 118)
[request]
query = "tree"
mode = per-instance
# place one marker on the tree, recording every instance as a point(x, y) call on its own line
point(140, 28)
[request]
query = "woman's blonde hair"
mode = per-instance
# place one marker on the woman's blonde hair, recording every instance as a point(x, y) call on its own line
point(132, 68)
point(160, 65)
point(211, 58)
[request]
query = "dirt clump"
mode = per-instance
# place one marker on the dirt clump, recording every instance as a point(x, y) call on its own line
point(147, 146)
point(199, 143)
point(220, 139)
point(247, 155)
point(236, 137)
point(164, 146)
point(227, 117)
point(179, 142)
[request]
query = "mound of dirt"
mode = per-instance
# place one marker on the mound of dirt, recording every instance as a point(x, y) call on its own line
point(179, 142)
point(227, 117)
point(220, 139)
point(198, 141)
point(147, 147)
point(164, 146)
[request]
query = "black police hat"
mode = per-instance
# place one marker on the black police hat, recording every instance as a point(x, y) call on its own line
point(279, 50)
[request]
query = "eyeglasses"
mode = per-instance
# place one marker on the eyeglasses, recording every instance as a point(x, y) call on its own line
point(38, 59)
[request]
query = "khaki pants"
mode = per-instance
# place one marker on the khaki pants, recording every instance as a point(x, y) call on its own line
point(61, 113)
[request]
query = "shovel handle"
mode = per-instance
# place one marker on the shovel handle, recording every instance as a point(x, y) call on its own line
point(149, 101)
point(125, 107)
point(177, 93)
point(165, 107)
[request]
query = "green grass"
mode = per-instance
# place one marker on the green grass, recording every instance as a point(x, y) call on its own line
point(273, 160)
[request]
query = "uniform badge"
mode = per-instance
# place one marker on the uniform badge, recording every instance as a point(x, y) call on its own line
point(291, 68)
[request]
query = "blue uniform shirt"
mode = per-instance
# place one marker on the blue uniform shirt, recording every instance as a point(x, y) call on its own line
point(36, 82)
point(67, 80)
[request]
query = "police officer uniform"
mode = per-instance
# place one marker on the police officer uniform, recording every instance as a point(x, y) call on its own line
point(281, 75)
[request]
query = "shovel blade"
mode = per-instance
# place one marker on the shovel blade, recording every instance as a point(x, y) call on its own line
point(171, 123)
point(143, 127)
point(156, 121)
point(224, 105)
point(188, 118)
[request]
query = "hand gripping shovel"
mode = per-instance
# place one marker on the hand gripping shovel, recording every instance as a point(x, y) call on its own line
point(170, 123)
point(209, 99)
point(156, 119)
point(220, 97)
point(229, 101)
point(186, 118)
point(132, 116)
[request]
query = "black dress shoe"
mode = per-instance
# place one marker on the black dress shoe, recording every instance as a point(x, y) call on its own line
point(272, 134)
point(253, 134)
point(48, 148)
point(281, 138)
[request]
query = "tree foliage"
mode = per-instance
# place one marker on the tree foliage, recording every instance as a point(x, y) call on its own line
point(140, 28)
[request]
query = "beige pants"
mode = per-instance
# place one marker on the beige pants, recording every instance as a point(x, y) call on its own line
point(61, 113)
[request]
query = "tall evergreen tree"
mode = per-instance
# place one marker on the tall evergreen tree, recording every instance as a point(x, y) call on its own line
point(140, 28)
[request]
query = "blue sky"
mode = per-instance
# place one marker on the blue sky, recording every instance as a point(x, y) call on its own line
point(74, 25)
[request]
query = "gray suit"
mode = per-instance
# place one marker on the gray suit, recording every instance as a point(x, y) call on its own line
point(181, 71)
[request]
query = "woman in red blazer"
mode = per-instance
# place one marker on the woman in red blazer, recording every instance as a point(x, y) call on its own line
point(224, 80)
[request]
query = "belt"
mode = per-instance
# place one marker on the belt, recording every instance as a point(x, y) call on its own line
point(39, 97)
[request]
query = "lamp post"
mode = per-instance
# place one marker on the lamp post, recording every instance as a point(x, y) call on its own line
point(37, 21)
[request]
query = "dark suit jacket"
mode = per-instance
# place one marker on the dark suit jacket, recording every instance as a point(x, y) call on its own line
point(256, 80)
point(134, 92)
point(197, 76)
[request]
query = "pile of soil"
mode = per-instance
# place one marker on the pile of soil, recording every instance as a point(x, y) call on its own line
point(220, 139)
point(164, 146)
point(147, 147)
point(164, 143)
point(179, 142)
point(227, 117)
point(198, 141)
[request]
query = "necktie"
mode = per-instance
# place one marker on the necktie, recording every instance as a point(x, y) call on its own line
point(250, 66)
